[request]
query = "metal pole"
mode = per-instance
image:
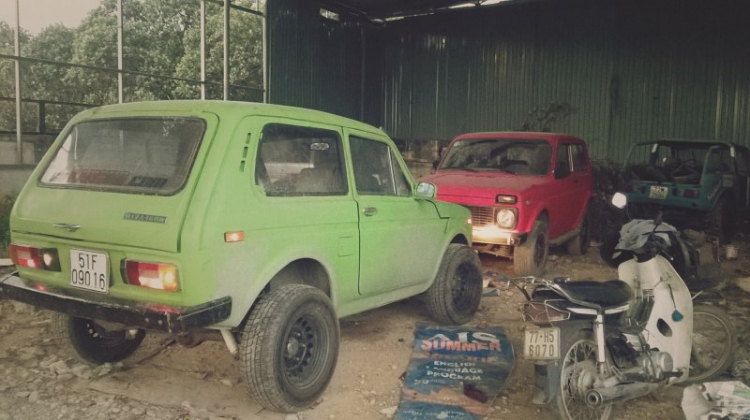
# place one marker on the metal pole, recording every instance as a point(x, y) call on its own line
point(19, 125)
point(226, 50)
point(203, 49)
point(119, 52)
point(265, 53)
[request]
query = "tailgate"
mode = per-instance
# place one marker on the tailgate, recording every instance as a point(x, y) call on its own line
point(150, 222)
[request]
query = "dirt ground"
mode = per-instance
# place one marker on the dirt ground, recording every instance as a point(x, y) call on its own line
point(165, 381)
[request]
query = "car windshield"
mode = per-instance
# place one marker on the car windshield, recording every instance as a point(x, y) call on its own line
point(515, 156)
point(139, 155)
point(680, 162)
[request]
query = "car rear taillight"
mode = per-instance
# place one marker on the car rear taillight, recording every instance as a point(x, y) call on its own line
point(690, 193)
point(152, 275)
point(33, 257)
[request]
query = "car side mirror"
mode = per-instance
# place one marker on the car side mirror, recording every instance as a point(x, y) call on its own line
point(426, 190)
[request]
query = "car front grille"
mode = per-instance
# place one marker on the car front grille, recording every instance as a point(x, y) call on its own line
point(482, 216)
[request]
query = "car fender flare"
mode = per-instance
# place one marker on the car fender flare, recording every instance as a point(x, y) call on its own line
point(247, 300)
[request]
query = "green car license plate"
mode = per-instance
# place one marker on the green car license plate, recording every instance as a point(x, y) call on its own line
point(89, 270)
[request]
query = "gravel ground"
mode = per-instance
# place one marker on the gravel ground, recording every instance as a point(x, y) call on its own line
point(165, 381)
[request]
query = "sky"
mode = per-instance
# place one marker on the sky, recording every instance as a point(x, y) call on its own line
point(38, 14)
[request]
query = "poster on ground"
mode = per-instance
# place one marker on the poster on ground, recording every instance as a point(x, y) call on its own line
point(455, 373)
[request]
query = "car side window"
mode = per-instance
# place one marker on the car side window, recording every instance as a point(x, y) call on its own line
point(376, 170)
point(296, 160)
point(562, 162)
point(578, 155)
point(719, 160)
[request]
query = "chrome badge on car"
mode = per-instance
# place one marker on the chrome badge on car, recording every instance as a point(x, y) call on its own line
point(66, 226)
point(138, 217)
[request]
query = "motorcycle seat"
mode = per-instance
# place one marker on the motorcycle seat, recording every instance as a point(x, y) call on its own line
point(607, 294)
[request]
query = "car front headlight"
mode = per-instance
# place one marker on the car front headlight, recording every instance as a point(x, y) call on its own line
point(506, 218)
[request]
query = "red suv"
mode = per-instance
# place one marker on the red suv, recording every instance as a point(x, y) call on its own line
point(526, 192)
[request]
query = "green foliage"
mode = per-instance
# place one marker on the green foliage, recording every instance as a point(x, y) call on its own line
point(549, 118)
point(6, 204)
point(160, 37)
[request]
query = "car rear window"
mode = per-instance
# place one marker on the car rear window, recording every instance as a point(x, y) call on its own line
point(138, 155)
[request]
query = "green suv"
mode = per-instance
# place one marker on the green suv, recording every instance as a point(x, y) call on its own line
point(706, 184)
point(263, 224)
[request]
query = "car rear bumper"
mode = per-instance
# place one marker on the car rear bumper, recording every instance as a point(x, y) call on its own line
point(172, 319)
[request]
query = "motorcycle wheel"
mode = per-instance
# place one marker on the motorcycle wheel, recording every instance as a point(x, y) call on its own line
point(578, 375)
point(714, 343)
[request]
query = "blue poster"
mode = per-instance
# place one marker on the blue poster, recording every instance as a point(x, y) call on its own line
point(455, 373)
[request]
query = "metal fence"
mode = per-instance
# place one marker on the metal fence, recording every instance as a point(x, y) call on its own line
point(41, 104)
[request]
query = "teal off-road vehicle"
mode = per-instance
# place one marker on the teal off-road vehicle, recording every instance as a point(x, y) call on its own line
point(703, 184)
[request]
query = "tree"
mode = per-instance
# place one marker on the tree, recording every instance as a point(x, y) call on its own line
point(245, 55)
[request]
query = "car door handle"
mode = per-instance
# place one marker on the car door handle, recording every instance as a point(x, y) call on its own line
point(370, 211)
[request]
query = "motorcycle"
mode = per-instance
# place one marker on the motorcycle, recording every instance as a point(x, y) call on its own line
point(599, 343)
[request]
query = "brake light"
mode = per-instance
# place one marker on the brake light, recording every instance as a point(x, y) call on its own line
point(33, 257)
point(690, 193)
point(152, 275)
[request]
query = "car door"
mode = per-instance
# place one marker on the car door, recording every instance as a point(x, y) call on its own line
point(582, 182)
point(401, 238)
point(563, 195)
point(301, 204)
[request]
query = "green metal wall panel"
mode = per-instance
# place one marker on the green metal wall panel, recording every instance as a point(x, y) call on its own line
point(313, 62)
point(628, 70)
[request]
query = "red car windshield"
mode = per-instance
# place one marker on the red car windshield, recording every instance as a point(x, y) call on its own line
point(515, 156)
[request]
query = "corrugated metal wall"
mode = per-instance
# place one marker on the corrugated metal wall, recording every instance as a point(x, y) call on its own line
point(313, 61)
point(626, 71)
point(616, 72)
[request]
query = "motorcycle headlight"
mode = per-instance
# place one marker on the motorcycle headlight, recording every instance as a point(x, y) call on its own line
point(506, 218)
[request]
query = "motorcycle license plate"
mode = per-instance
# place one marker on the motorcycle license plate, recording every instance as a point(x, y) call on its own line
point(657, 192)
point(541, 344)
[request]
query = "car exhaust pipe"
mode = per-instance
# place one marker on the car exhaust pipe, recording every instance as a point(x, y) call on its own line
point(598, 397)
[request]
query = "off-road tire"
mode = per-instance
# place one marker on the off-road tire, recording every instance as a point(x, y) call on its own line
point(529, 257)
point(720, 221)
point(89, 342)
point(580, 243)
point(717, 330)
point(289, 347)
point(454, 296)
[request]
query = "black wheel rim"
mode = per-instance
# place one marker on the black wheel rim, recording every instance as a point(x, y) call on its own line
point(584, 235)
point(303, 350)
point(97, 334)
point(463, 287)
point(540, 247)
